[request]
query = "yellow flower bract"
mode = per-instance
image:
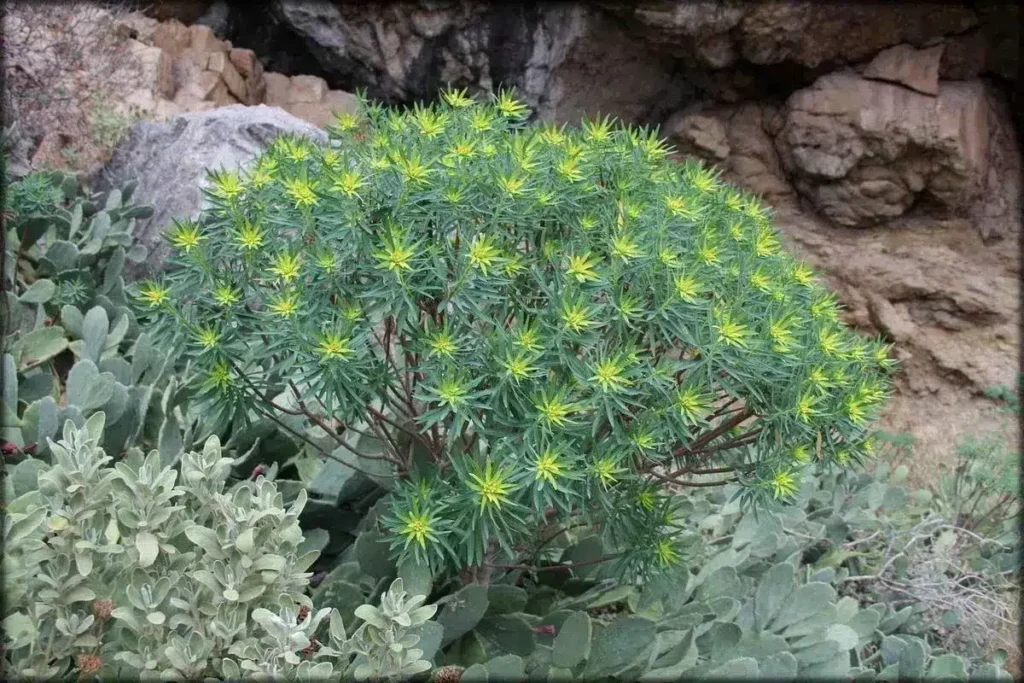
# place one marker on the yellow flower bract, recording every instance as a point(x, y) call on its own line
point(547, 467)
point(185, 236)
point(349, 183)
point(153, 294)
point(609, 374)
point(416, 527)
point(553, 411)
point(225, 295)
point(285, 305)
point(491, 487)
point(518, 367)
point(301, 191)
point(286, 266)
point(582, 267)
point(249, 237)
point(207, 337)
point(784, 484)
point(483, 253)
point(226, 184)
point(334, 346)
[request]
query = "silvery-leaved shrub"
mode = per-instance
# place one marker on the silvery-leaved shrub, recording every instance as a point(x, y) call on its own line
point(141, 570)
point(515, 326)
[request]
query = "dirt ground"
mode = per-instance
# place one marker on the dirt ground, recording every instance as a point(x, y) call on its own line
point(950, 418)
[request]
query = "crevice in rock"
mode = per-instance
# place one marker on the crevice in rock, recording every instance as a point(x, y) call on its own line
point(278, 47)
point(511, 26)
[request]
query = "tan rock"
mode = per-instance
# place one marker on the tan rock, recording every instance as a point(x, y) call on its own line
point(244, 61)
point(220, 63)
point(203, 38)
point(257, 87)
point(155, 68)
point(200, 87)
point(194, 57)
point(187, 104)
point(861, 150)
point(753, 161)
point(699, 135)
point(172, 37)
point(903, 64)
point(893, 319)
point(317, 113)
point(140, 26)
point(187, 66)
point(165, 109)
point(340, 101)
point(250, 68)
point(277, 87)
point(48, 153)
point(221, 95)
point(138, 102)
point(306, 89)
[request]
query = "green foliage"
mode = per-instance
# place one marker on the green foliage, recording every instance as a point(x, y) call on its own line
point(980, 492)
point(142, 570)
point(66, 247)
point(72, 344)
point(526, 324)
point(780, 595)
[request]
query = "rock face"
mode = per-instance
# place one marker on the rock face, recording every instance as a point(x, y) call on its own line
point(863, 151)
point(17, 146)
point(169, 162)
point(916, 69)
point(194, 70)
point(565, 56)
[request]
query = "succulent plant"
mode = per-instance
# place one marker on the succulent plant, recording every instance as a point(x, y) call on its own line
point(509, 324)
point(72, 344)
point(63, 247)
point(147, 570)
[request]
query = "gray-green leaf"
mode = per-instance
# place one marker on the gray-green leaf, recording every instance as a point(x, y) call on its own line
point(619, 644)
point(39, 292)
point(148, 548)
point(572, 644)
point(94, 331)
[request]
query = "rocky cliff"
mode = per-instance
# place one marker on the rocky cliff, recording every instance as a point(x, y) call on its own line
point(881, 134)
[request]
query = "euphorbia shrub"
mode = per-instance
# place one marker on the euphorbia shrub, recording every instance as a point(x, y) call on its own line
point(529, 326)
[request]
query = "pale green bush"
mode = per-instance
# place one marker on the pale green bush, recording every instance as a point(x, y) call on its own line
point(140, 570)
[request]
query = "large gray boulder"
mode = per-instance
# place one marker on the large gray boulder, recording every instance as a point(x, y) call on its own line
point(169, 162)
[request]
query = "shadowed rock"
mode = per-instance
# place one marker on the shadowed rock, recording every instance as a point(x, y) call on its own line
point(169, 162)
